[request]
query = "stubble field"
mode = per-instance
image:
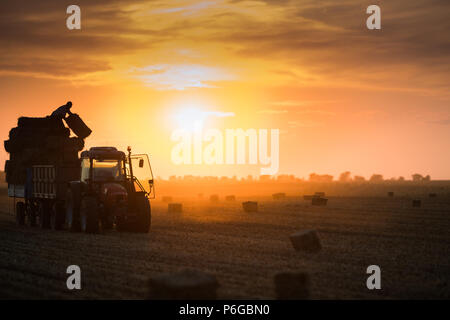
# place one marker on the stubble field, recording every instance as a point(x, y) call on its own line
point(244, 250)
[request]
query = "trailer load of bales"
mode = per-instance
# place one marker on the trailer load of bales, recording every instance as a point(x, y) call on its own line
point(42, 141)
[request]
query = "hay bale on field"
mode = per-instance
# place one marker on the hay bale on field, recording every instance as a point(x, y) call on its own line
point(214, 198)
point(319, 201)
point(250, 206)
point(175, 208)
point(307, 240)
point(279, 196)
point(184, 285)
point(390, 194)
point(230, 198)
point(319, 194)
point(292, 285)
point(167, 199)
point(417, 203)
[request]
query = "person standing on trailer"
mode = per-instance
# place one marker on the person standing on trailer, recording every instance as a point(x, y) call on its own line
point(61, 112)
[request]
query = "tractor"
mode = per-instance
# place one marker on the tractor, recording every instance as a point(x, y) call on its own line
point(108, 193)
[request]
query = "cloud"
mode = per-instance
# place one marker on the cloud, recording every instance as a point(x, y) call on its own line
point(444, 122)
point(330, 40)
point(273, 111)
point(316, 112)
point(34, 39)
point(53, 68)
point(301, 103)
point(180, 77)
point(309, 42)
point(219, 114)
point(186, 10)
point(304, 124)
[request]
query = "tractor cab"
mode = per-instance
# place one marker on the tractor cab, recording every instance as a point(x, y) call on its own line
point(101, 165)
point(107, 164)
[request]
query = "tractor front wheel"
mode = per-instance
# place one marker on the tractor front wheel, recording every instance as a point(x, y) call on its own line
point(142, 221)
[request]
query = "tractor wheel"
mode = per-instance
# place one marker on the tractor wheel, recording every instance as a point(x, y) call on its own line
point(89, 215)
point(45, 214)
point(107, 221)
point(121, 224)
point(72, 212)
point(20, 213)
point(58, 216)
point(142, 221)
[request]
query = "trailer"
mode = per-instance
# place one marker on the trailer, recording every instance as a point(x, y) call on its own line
point(41, 199)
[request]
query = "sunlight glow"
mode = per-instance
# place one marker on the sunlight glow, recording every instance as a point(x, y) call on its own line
point(191, 119)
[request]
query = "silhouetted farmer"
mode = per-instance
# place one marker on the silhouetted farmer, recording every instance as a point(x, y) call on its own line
point(61, 112)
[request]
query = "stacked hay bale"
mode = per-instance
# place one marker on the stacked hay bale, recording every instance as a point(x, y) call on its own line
point(279, 196)
point(292, 285)
point(214, 198)
point(250, 206)
point(417, 203)
point(319, 201)
point(306, 240)
point(40, 141)
point(230, 198)
point(175, 208)
point(184, 285)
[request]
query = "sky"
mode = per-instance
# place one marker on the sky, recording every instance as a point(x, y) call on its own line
point(344, 98)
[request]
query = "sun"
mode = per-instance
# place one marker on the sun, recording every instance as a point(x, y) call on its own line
point(190, 119)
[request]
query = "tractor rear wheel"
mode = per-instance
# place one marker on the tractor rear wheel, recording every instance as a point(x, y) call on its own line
point(20, 213)
point(89, 215)
point(107, 223)
point(142, 221)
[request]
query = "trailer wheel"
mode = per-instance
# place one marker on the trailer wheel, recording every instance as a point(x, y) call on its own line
point(58, 216)
point(20, 213)
point(72, 212)
point(89, 215)
point(32, 213)
point(45, 214)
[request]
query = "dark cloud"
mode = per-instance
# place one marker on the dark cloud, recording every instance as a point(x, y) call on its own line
point(53, 67)
point(34, 36)
point(331, 37)
point(321, 36)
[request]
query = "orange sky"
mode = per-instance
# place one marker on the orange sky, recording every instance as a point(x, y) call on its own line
point(343, 97)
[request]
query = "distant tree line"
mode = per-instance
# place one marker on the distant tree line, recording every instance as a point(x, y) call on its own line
point(344, 177)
